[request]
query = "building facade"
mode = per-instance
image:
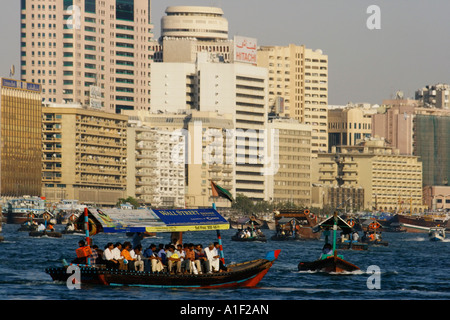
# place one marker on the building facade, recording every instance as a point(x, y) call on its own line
point(155, 166)
point(84, 155)
point(298, 87)
point(391, 181)
point(205, 141)
point(349, 124)
point(21, 144)
point(239, 90)
point(92, 52)
point(434, 96)
point(291, 178)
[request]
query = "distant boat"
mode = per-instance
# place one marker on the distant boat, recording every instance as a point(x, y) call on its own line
point(18, 210)
point(330, 261)
point(421, 223)
point(295, 225)
point(436, 234)
point(252, 225)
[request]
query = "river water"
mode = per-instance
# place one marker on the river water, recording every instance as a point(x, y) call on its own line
point(410, 268)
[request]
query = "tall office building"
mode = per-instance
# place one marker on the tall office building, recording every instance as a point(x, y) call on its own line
point(298, 87)
point(21, 145)
point(91, 52)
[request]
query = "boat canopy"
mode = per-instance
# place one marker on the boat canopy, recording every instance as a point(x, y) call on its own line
point(329, 223)
point(150, 220)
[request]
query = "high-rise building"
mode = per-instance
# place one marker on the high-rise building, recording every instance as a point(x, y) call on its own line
point(84, 154)
point(298, 87)
point(291, 178)
point(227, 88)
point(203, 139)
point(21, 140)
point(92, 52)
point(155, 166)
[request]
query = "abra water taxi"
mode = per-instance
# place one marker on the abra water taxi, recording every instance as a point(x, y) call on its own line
point(330, 261)
point(245, 274)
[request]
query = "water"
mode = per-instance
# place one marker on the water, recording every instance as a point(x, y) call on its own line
point(412, 268)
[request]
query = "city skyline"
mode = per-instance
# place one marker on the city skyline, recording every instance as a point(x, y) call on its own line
point(407, 53)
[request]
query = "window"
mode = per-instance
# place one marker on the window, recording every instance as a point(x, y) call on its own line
point(125, 10)
point(89, 6)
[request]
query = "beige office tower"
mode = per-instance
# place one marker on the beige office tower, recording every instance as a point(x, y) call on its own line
point(207, 151)
point(155, 170)
point(298, 87)
point(84, 154)
point(391, 181)
point(291, 179)
point(94, 52)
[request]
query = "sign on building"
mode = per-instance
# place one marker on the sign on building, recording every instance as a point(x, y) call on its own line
point(245, 50)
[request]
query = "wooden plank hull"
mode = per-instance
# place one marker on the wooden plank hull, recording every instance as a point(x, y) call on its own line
point(330, 264)
point(247, 274)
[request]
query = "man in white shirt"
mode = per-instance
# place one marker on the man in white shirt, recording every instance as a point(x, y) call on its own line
point(117, 255)
point(136, 255)
point(213, 258)
point(108, 256)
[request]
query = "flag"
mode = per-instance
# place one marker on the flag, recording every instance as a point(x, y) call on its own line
point(218, 191)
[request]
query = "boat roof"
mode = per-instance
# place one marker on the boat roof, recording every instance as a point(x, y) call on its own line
point(116, 220)
point(285, 220)
point(329, 223)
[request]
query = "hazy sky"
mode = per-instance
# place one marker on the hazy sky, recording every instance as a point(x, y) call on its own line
point(411, 50)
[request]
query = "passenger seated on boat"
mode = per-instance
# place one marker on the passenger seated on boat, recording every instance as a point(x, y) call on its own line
point(128, 260)
point(117, 253)
point(173, 259)
point(151, 260)
point(108, 256)
point(162, 254)
point(179, 250)
point(327, 250)
point(189, 258)
point(213, 258)
point(200, 258)
point(355, 236)
point(41, 227)
point(136, 255)
point(83, 252)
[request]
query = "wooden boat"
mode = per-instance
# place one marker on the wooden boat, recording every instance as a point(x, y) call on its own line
point(45, 233)
point(373, 236)
point(352, 245)
point(416, 224)
point(437, 234)
point(330, 262)
point(295, 225)
point(255, 233)
point(245, 274)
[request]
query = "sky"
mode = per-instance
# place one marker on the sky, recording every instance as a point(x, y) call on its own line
point(410, 50)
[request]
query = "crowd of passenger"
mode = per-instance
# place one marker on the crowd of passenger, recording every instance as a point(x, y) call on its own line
point(170, 258)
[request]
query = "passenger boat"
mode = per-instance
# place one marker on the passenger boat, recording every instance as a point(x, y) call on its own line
point(295, 225)
point(436, 234)
point(18, 210)
point(245, 274)
point(330, 262)
point(254, 233)
point(372, 234)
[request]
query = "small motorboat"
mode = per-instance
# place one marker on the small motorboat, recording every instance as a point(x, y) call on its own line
point(437, 234)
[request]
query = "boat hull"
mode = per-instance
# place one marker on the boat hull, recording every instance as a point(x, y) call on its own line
point(247, 274)
point(417, 224)
point(330, 264)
